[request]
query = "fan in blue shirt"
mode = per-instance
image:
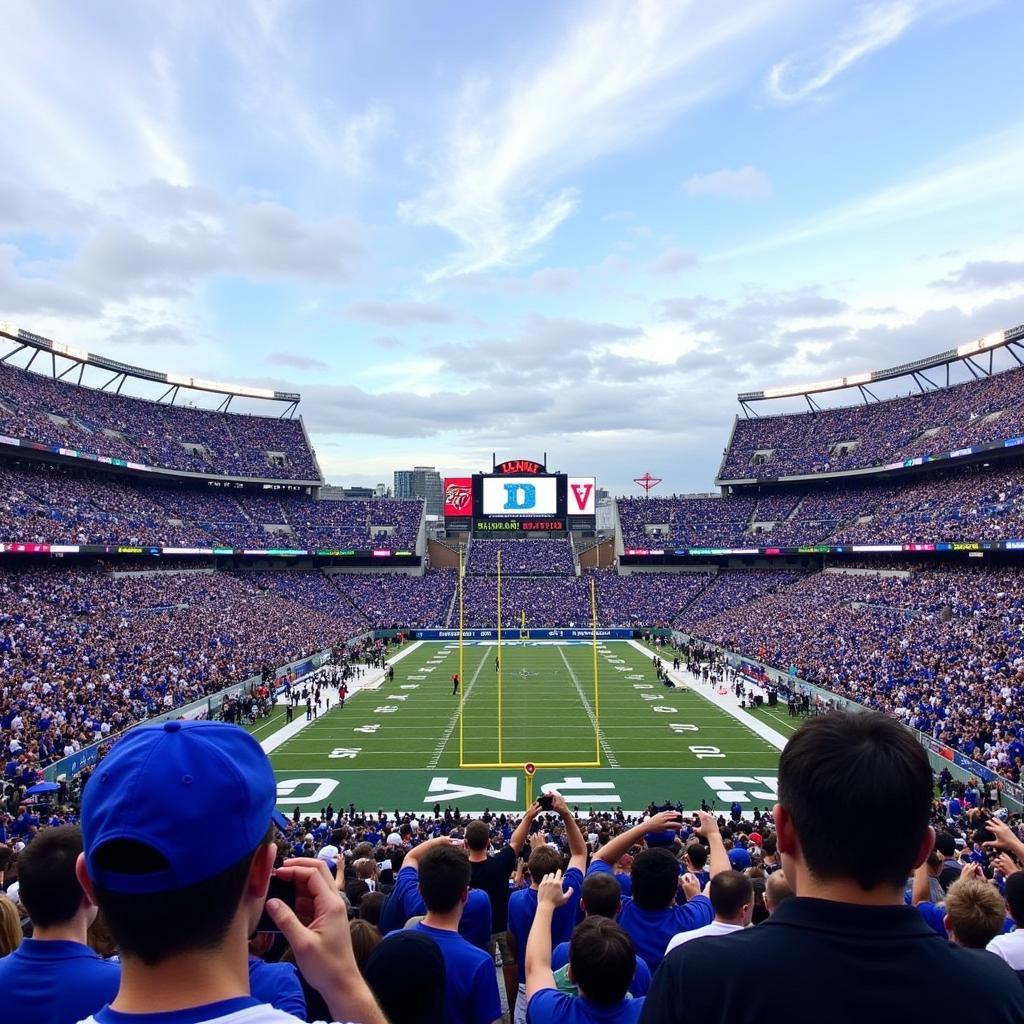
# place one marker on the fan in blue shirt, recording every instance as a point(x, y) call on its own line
point(471, 984)
point(54, 977)
point(522, 905)
point(602, 897)
point(602, 963)
point(652, 917)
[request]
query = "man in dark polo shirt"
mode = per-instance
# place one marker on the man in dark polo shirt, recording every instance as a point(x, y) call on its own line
point(845, 948)
point(492, 874)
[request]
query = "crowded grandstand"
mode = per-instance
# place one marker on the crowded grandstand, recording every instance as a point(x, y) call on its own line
point(168, 565)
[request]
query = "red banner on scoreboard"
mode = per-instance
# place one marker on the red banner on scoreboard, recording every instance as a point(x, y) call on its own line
point(458, 496)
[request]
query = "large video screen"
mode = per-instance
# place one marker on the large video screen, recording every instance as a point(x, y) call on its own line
point(514, 496)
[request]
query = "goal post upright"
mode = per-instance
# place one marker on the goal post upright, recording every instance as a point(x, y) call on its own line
point(597, 688)
point(500, 665)
point(462, 688)
point(501, 763)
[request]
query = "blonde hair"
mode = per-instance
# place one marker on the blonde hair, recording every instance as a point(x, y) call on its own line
point(10, 925)
point(976, 912)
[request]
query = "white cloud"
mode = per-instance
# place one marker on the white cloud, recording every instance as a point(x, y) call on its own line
point(796, 78)
point(401, 313)
point(672, 260)
point(625, 72)
point(744, 183)
point(985, 171)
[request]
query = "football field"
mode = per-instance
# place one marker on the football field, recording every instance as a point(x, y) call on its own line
point(411, 743)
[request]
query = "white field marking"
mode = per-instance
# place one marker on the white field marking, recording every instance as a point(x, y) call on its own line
point(454, 720)
point(372, 680)
point(613, 761)
point(726, 702)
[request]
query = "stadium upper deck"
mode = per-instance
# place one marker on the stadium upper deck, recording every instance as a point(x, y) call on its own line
point(93, 423)
point(986, 411)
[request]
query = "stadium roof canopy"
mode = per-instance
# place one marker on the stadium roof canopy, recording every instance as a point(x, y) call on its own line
point(121, 371)
point(967, 354)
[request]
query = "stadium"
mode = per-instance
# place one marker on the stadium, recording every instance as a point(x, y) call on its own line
point(862, 524)
point(685, 685)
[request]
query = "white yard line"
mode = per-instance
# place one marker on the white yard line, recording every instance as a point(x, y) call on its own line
point(725, 702)
point(608, 752)
point(447, 734)
point(369, 681)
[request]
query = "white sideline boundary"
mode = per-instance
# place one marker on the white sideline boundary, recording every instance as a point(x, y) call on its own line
point(724, 702)
point(368, 681)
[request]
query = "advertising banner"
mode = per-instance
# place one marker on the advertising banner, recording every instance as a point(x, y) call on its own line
point(582, 492)
point(458, 496)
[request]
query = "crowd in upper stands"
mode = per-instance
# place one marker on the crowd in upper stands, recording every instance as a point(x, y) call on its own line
point(52, 412)
point(831, 440)
point(974, 503)
point(46, 504)
point(536, 556)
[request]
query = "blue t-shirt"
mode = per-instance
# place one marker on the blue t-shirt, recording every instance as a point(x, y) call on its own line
point(193, 1015)
point(625, 881)
point(934, 916)
point(637, 987)
point(522, 908)
point(54, 981)
point(549, 1006)
point(277, 984)
point(651, 930)
point(405, 901)
point(470, 982)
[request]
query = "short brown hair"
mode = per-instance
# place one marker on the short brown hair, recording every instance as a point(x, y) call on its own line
point(478, 835)
point(543, 861)
point(976, 912)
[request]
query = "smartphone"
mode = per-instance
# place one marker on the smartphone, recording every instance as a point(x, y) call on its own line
point(547, 802)
point(279, 889)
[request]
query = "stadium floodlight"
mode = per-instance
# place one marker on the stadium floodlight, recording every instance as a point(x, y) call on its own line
point(212, 385)
point(825, 385)
point(993, 340)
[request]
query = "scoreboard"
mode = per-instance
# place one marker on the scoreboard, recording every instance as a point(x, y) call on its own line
point(520, 496)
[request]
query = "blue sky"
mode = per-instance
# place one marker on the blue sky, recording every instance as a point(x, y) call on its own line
point(461, 228)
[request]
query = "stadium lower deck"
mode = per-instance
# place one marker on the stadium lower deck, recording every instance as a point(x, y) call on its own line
point(396, 744)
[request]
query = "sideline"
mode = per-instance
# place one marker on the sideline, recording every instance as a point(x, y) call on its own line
point(725, 702)
point(368, 681)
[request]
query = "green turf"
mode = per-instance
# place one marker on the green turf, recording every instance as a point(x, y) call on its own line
point(398, 746)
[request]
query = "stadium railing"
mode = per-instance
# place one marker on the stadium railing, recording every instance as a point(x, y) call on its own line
point(941, 756)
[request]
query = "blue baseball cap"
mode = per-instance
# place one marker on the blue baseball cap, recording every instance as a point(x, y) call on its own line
point(665, 838)
point(200, 794)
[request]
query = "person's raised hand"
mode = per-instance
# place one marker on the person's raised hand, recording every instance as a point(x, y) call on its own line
point(664, 820)
point(537, 840)
point(690, 884)
point(550, 893)
point(1005, 865)
point(708, 825)
point(318, 929)
point(1005, 837)
point(558, 804)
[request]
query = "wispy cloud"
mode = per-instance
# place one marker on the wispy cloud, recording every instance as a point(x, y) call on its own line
point(744, 183)
point(401, 313)
point(625, 72)
point(671, 261)
point(986, 170)
point(877, 26)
